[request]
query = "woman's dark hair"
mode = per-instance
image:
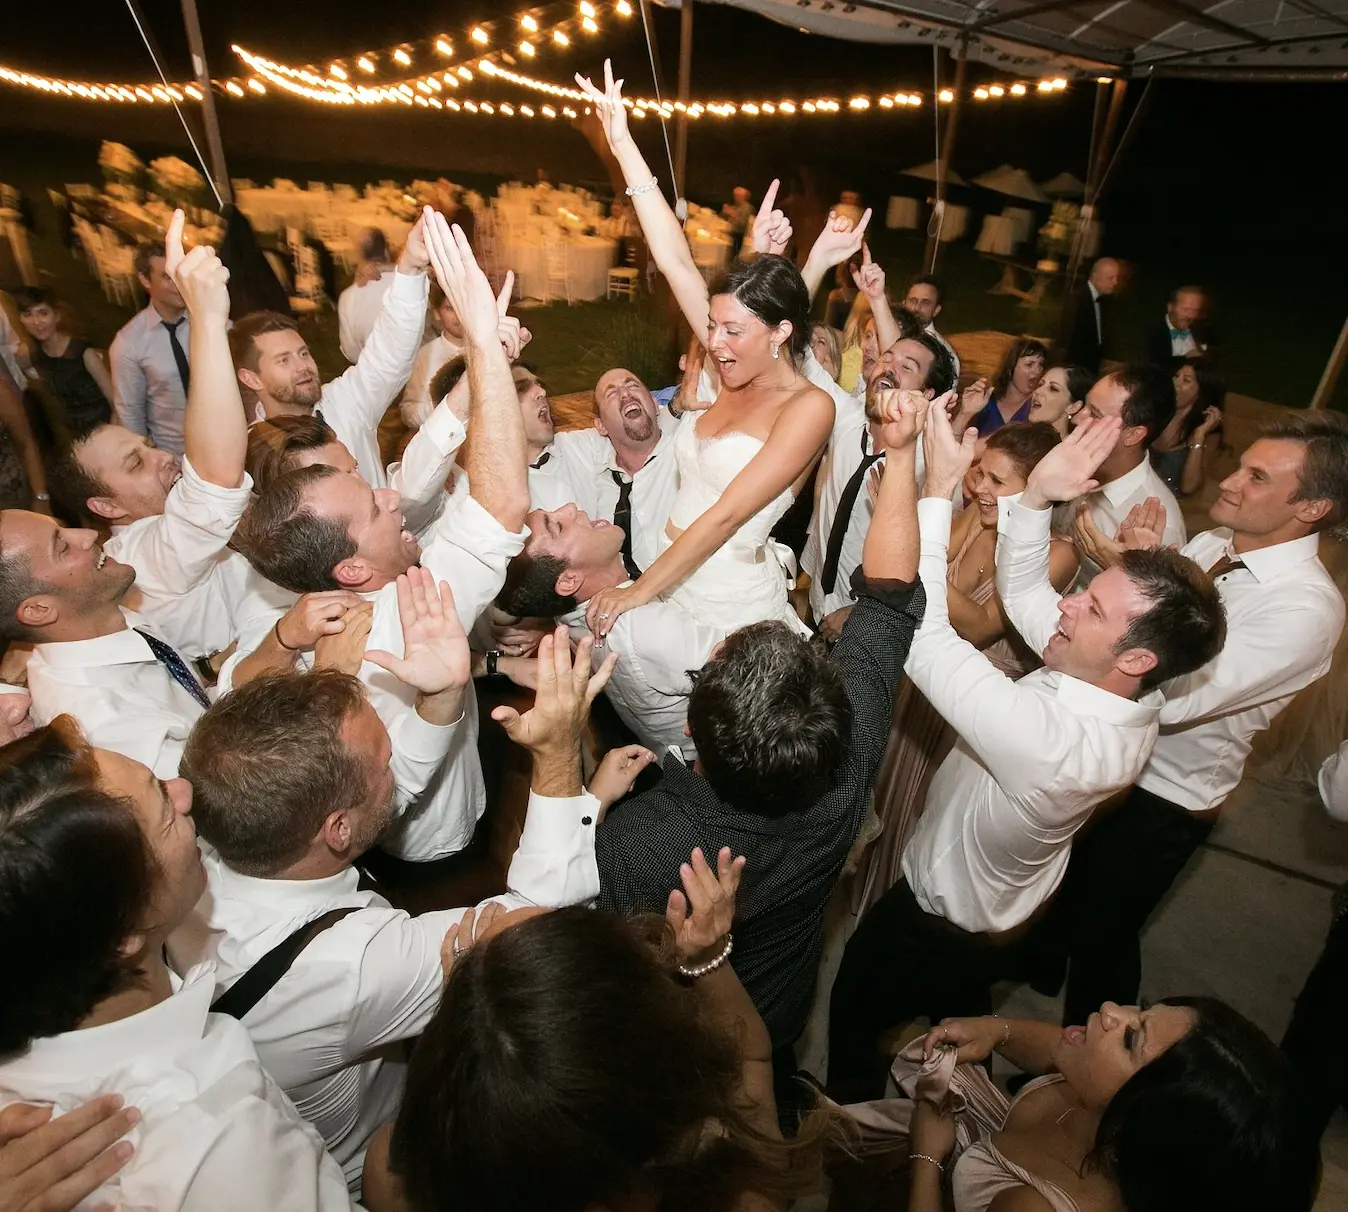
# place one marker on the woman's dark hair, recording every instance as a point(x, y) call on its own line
point(1024, 443)
point(1079, 381)
point(274, 443)
point(28, 297)
point(1211, 392)
point(569, 1067)
point(772, 288)
point(76, 878)
point(1214, 1122)
point(1021, 348)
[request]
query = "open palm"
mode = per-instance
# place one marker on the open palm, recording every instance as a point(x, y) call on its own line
point(608, 103)
point(435, 648)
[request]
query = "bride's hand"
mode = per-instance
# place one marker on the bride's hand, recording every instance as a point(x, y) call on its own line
point(608, 104)
point(605, 607)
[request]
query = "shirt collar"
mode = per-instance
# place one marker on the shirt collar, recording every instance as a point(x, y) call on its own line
point(163, 1028)
point(125, 647)
point(1081, 698)
point(1128, 483)
point(611, 464)
point(277, 894)
point(1095, 294)
point(1268, 563)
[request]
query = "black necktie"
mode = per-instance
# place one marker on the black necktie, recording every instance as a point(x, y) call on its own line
point(179, 353)
point(168, 657)
point(543, 458)
point(622, 516)
point(1224, 565)
point(843, 518)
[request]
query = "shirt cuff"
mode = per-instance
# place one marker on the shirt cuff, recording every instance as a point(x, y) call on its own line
point(933, 520)
point(1022, 523)
point(410, 288)
point(422, 741)
point(193, 483)
point(555, 864)
point(444, 429)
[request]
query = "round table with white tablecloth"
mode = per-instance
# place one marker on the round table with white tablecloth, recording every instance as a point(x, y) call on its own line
point(901, 213)
point(997, 237)
point(956, 223)
point(588, 260)
point(711, 253)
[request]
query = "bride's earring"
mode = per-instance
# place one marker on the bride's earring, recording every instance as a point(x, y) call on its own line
point(776, 352)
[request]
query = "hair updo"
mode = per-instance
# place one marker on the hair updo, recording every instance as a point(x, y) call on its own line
point(772, 288)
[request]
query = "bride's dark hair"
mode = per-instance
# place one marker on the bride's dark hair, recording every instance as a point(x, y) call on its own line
point(772, 288)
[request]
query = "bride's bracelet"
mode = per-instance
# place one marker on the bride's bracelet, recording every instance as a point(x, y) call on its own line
point(1006, 1031)
point(710, 965)
point(652, 184)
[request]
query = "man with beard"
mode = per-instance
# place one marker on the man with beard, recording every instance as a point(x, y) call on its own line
point(275, 366)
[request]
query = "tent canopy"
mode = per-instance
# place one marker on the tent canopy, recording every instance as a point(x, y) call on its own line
point(1014, 182)
point(1064, 185)
point(1128, 37)
point(927, 172)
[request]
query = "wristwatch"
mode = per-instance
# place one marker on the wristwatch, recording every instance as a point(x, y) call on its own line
point(493, 656)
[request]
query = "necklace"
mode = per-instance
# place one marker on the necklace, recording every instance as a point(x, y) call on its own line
point(1064, 1115)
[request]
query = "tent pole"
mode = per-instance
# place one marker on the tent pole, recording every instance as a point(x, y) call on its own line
point(947, 147)
point(685, 84)
point(1333, 368)
point(214, 144)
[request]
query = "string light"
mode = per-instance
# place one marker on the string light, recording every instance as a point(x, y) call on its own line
point(1018, 90)
point(859, 103)
point(365, 63)
point(233, 89)
point(444, 46)
point(589, 26)
point(587, 9)
point(996, 90)
point(622, 8)
point(337, 71)
point(479, 35)
point(559, 37)
point(527, 49)
point(528, 24)
point(402, 58)
point(945, 96)
point(256, 85)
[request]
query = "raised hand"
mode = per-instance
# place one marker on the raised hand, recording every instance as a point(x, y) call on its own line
point(839, 240)
point(702, 914)
point(461, 278)
point(899, 416)
point(1212, 417)
point(566, 688)
point(345, 649)
point(617, 773)
point(201, 277)
point(772, 229)
point(948, 457)
point(514, 336)
point(869, 277)
point(974, 399)
point(1144, 527)
point(415, 256)
point(608, 104)
point(1067, 471)
point(315, 615)
point(435, 649)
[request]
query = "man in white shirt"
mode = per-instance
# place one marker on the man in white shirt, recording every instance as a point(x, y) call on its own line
point(292, 785)
point(105, 857)
point(150, 358)
point(93, 659)
point(924, 301)
point(275, 366)
point(1143, 398)
point(624, 469)
point(318, 529)
point(359, 305)
point(1285, 616)
point(570, 557)
point(417, 401)
point(842, 516)
point(1034, 757)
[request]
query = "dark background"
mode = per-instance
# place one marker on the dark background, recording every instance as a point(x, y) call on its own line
point(1233, 185)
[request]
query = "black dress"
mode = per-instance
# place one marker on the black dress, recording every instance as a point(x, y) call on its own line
point(74, 387)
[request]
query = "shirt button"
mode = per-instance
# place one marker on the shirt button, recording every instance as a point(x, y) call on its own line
point(585, 820)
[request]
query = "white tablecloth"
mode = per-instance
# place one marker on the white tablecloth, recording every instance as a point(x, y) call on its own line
point(588, 260)
point(1022, 221)
point(998, 236)
point(902, 212)
point(956, 223)
point(711, 254)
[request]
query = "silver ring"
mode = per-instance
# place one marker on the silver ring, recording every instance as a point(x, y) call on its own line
point(603, 617)
point(456, 948)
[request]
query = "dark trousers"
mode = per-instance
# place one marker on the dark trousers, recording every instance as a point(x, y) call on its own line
point(1119, 871)
point(903, 963)
point(1315, 1042)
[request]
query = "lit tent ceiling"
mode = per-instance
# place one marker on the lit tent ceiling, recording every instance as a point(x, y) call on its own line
point(1133, 37)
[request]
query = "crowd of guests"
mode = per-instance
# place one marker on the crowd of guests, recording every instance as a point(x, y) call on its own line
point(1015, 693)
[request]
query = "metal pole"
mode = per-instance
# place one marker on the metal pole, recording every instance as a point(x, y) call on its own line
point(1333, 369)
point(685, 85)
point(214, 144)
point(947, 145)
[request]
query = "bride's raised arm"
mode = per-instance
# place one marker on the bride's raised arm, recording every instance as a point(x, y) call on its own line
point(663, 231)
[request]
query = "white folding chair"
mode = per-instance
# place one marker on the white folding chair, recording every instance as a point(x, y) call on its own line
point(557, 282)
point(622, 281)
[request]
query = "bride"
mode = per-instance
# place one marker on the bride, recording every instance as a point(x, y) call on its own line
point(743, 459)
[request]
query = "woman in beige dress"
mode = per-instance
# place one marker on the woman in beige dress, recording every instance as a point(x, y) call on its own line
point(919, 738)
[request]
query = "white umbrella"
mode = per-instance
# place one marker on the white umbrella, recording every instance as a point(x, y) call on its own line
point(928, 173)
point(1014, 182)
point(1064, 185)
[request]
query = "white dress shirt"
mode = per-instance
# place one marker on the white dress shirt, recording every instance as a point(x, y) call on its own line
point(416, 403)
point(1180, 347)
point(354, 403)
point(930, 330)
point(123, 698)
point(147, 387)
point(552, 483)
point(1095, 306)
point(1109, 506)
point(372, 979)
point(1284, 615)
point(216, 1133)
point(1035, 756)
point(657, 645)
point(177, 556)
point(358, 308)
point(588, 463)
point(441, 793)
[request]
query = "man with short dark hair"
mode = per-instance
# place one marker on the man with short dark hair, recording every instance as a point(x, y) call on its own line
point(1285, 616)
point(1034, 759)
point(925, 299)
point(360, 304)
point(1142, 397)
point(149, 360)
point(292, 785)
point(788, 744)
point(1182, 332)
point(277, 370)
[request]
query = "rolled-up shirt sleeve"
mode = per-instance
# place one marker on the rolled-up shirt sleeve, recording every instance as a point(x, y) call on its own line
point(1022, 562)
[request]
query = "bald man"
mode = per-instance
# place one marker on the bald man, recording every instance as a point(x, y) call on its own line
point(1091, 312)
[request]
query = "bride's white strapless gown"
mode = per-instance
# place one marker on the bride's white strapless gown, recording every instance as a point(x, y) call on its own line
point(747, 579)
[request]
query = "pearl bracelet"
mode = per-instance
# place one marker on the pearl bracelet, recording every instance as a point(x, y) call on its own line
point(928, 1158)
point(633, 190)
point(711, 965)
